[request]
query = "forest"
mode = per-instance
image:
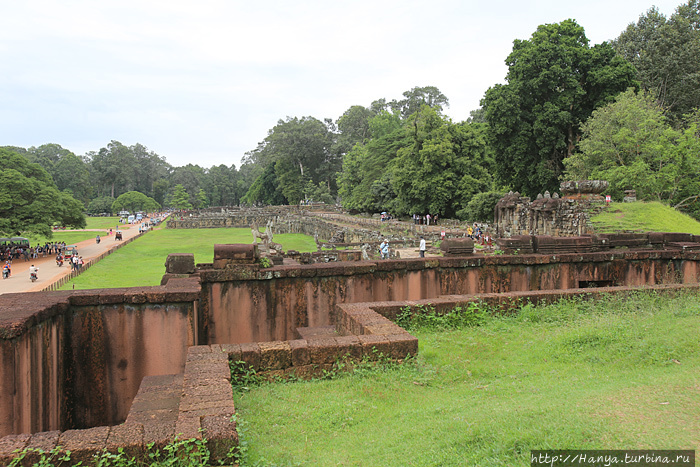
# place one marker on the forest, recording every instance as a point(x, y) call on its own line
point(626, 111)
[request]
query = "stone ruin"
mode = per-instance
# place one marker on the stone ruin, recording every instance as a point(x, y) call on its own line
point(565, 216)
point(122, 368)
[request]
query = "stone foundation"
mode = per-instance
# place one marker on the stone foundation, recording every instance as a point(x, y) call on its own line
point(96, 369)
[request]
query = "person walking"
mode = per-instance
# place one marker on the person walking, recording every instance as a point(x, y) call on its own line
point(421, 248)
point(384, 249)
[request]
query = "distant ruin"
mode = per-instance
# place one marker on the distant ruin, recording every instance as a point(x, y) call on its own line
point(550, 214)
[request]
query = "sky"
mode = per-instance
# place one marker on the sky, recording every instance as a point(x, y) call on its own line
point(203, 81)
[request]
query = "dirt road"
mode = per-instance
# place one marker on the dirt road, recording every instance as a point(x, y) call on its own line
point(49, 272)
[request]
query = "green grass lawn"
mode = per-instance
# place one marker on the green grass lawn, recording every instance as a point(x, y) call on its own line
point(142, 262)
point(102, 222)
point(614, 374)
point(644, 217)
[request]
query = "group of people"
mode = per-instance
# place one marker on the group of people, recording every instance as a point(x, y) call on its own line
point(425, 220)
point(27, 253)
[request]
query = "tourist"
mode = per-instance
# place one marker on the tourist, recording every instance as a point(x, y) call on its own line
point(384, 249)
point(421, 248)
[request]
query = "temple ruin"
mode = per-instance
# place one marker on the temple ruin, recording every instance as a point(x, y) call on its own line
point(101, 369)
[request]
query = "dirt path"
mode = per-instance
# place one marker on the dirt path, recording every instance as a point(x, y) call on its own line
point(50, 272)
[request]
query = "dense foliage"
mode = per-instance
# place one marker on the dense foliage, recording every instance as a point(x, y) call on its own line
point(666, 55)
point(555, 80)
point(30, 201)
point(631, 143)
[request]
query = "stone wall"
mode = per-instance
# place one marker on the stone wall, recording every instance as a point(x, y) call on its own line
point(547, 215)
point(271, 304)
point(76, 359)
point(321, 225)
point(73, 362)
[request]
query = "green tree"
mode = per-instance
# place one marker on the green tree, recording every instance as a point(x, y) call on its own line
point(631, 144)
point(30, 201)
point(180, 198)
point(443, 168)
point(299, 149)
point(364, 183)
point(265, 189)
point(666, 55)
point(200, 200)
point(554, 82)
point(100, 205)
point(72, 174)
point(221, 185)
point(134, 201)
point(416, 98)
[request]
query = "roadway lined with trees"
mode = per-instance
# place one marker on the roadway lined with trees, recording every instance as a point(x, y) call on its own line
point(626, 111)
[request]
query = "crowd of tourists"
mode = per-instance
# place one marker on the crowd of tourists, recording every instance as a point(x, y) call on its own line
point(12, 251)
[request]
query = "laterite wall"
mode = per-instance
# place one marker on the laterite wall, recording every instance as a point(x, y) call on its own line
point(270, 304)
point(76, 359)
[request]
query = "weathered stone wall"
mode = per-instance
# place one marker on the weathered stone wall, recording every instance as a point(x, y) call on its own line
point(76, 359)
point(559, 217)
point(322, 225)
point(270, 304)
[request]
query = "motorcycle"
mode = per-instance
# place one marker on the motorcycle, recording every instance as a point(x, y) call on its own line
point(5, 273)
point(59, 262)
point(33, 276)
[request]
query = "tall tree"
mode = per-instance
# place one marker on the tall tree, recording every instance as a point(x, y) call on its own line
point(554, 82)
point(443, 168)
point(666, 54)
point(631, 144)
point(417, 97)
point(299, 149)
point(30, 201)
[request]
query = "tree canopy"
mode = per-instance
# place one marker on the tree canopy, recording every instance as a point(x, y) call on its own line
point(134, 201)
point(666, 55)
point(554, 82)
point(30, 201)
point(631, 144)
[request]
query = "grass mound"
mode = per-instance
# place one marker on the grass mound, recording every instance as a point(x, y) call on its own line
point(619, 373)
point(644, 217)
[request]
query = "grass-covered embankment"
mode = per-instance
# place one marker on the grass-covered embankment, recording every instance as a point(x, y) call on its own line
point(644, 217)
point(619, 373)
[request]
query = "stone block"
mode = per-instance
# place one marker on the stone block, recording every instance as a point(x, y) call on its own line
point(250, 353)
point(300, 352)
point(233, 350)
point(128, 436)
point(457, 246)
point(323, 350)
point(349, 346)
point(44, 441)
point(84, 444)
point(222, 438)
point(275, 355)
point(375, 345)
point(402, 345)
point(10, 445)
point(179, 263)
point(236, 253)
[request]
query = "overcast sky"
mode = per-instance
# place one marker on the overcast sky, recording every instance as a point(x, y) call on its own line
point(203, 81)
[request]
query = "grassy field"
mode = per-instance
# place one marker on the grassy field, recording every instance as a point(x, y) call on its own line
point(613, 374)
point(142, 262)
point(644, 217)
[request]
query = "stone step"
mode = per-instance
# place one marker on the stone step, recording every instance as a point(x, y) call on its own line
point(157, 400)
point(320, 331)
